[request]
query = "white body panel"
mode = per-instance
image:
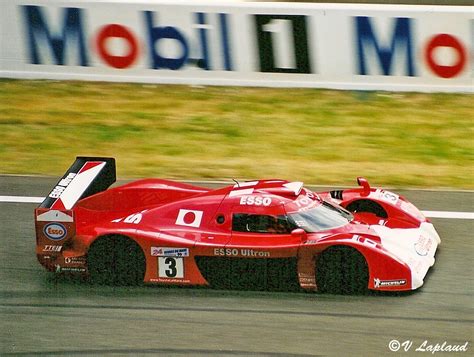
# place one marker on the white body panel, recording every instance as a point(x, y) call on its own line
point(414, 246)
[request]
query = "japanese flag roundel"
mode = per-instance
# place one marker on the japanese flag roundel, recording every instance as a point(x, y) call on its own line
point(189, 218)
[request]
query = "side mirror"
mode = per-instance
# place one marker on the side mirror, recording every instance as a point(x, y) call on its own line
point(299, 233)
point(365, 186)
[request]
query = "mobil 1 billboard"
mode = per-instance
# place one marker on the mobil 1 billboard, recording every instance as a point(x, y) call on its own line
point(386, 47)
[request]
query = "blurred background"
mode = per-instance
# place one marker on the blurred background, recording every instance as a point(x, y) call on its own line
point(403, 118)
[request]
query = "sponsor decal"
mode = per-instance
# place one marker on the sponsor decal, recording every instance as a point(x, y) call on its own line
point(76, 185)
point(61, 186)
point(255, 201)
point(170, 280)
point(134, 218)
point(306, 279)
point(60, 269)
point(169, 252)
point(385, 283)
point(75, 260)
point(189, 218)
point(52, 248)
point(234, 252)
point(304, 203)
point(55, 231)
point(423, 245)
point(364, 240)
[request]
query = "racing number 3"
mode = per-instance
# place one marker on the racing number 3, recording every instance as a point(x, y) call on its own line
point(170, 267)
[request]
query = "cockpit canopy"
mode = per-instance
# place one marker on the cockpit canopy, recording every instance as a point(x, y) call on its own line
point(280, 207)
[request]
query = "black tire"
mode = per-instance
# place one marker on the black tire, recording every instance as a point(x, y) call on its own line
point(368, 206)
point(342, 270)
point(116, 260)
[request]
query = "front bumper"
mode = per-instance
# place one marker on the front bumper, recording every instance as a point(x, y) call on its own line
point(416, 247)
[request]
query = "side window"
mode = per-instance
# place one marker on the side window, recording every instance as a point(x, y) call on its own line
point(242, 222)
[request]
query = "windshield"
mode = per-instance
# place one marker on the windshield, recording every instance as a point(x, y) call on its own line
point(320, 218)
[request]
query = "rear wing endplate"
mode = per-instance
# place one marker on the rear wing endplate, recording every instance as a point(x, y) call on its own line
point(86, 176)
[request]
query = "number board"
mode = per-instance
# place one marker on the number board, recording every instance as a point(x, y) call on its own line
point(170, 267)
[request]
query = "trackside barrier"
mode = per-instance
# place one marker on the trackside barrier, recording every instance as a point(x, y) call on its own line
point(340, 46)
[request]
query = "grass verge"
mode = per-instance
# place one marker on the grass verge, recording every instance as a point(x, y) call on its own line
point(181, 132)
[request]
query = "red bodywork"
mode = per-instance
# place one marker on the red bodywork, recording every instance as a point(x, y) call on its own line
point(180, 226)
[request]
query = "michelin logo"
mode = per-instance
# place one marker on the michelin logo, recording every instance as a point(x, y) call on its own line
point(169, 252)
point(384, 283)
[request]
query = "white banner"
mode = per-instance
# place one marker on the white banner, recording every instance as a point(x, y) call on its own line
point(366, 47)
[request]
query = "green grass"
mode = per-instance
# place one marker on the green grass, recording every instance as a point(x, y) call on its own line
point(181, 132)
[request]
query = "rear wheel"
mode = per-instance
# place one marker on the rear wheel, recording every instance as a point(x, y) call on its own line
point(342, 270)
point(116, 260)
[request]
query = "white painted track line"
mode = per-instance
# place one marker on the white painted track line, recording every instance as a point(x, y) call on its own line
point(21, 199)
point(429, 214)
point(452, 215)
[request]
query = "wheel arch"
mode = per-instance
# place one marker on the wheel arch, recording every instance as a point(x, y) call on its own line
point(366, 205)
point(112, 238)
point(381, 264)
point(360, 249)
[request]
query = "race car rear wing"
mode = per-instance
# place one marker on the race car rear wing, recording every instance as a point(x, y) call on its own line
point(55, 218)
point(86, 176)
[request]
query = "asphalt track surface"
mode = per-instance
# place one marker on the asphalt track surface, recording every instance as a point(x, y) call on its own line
point(41, 314)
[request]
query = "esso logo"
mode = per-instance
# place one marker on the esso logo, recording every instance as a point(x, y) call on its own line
point(255, 201)
point(55, 231)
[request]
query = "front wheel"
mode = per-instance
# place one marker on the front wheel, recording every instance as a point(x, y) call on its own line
point(342, 270)
point(116, 260)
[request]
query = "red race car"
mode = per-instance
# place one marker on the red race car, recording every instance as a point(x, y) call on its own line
point(259, 235)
